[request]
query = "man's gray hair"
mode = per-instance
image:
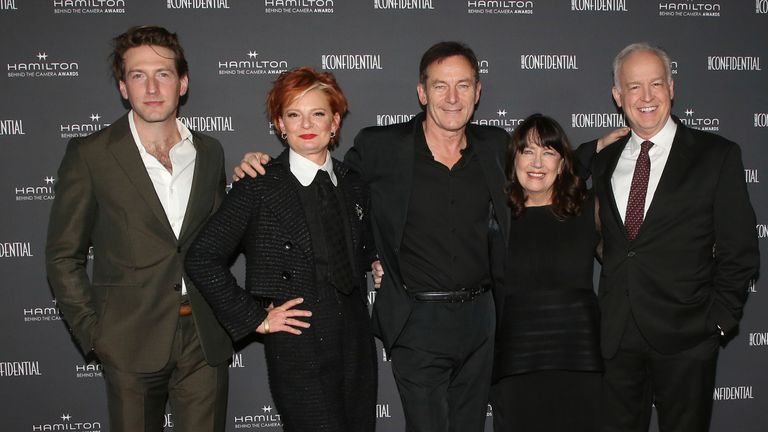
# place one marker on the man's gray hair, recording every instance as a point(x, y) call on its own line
point(640, 46)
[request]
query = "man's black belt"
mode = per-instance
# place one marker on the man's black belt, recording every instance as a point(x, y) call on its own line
point(461, 296)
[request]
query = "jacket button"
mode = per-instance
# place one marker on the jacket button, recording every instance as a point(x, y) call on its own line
point(631, 254)
point(178, 249)
point(288, 245)
point(177, 287)
point(286, 276)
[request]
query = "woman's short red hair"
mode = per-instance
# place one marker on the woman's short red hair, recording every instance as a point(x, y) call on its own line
point(294, 83)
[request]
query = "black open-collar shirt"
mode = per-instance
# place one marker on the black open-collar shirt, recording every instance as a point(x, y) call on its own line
point(445, 241)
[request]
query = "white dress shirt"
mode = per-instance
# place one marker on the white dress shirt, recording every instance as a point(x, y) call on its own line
point(173, 189)
point(305, 170)
point(621, 181)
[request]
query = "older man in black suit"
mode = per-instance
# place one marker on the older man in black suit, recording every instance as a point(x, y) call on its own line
point(679, 250)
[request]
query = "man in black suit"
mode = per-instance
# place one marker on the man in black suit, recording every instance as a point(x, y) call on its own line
point(437, 208)
point(679, 250)
point(437, 185)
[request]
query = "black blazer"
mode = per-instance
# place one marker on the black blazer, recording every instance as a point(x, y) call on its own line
point(687, 271)
point(384, 156)
point(264, 217)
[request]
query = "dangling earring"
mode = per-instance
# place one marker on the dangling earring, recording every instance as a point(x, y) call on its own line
point(284, 136)
point(333, 134)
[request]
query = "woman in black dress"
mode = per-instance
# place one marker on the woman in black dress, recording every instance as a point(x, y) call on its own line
point(547, 368)
point(301, 228)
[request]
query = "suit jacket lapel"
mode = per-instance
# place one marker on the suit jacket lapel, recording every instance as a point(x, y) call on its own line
point(198, 206)
point(613, 153)
point(353, 212)
point(675, 171)
point(405, 161)
point(127, 156)
point(493, 171)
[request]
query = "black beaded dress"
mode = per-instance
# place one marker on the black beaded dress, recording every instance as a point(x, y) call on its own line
point(547, 358)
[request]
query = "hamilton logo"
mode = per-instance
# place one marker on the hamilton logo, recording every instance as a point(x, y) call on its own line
point(68, 424)
point(704, 8)
point(698, 122)
point(266, 419)
point(43, 68)
point(501, 120)
point(89, 6)
point(500, 7)
point(41, 313)
point(39, 192)
point(252, 64)
point(298, 6)
point(82, 128)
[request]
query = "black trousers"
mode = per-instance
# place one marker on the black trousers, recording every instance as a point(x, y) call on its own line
point(442, 365)
point(326, 379)
point(680, 385)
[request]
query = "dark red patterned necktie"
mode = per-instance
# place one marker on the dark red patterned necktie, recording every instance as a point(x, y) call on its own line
point(636, 203)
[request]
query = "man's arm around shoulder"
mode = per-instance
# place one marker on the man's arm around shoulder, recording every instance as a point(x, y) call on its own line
point(355, 158)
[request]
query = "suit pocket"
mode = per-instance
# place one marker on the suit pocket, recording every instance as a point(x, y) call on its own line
point(111, 313)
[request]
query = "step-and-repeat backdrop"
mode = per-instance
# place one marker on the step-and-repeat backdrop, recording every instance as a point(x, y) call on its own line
point(550, 56)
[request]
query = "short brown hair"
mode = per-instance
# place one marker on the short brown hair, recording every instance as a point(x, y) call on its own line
point(146, 35)
point(294, 83)
point(441, 51)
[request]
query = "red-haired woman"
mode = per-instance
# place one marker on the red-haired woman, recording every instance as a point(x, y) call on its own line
point(301, 228)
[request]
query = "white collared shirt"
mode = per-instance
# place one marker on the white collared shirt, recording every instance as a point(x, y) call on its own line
point(305, 170)
point(173, 189)
point(621, 181)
